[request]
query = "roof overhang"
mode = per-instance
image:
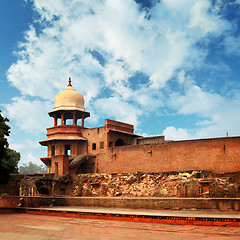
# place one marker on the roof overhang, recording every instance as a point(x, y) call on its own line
point(70, 109)
point(46, 161)
point(122, 132)
point(62, 138)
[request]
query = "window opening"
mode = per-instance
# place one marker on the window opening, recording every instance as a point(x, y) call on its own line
point(101, 145)
point(52, 150)
point(110, 144)
point(119, 142)
point(69, 121)
point(67, 150)
point(94, 146)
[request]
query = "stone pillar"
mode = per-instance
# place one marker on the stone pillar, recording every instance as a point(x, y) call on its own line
point(74, 119)
point(62, 118)
point(55, 121)
point(82, 121)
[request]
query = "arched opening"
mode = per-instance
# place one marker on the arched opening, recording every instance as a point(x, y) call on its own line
point(119, 142)
point(58, 121)
point(68, 118)
point(69, 122)
point(67, 150)
point(94, 146)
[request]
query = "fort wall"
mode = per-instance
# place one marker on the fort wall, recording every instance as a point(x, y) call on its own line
point(219, 154)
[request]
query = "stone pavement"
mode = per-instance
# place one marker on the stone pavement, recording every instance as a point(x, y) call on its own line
point(19, 226)
point(146, 212)
point(187, 217)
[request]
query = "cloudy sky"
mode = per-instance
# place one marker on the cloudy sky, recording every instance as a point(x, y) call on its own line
point(169, 67)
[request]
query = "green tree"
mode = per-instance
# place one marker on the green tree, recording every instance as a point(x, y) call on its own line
point(31, 168)
point(8, 158)
point(14, 158)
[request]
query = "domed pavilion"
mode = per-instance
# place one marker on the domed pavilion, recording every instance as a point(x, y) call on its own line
point(73, 148)
point(65, 139)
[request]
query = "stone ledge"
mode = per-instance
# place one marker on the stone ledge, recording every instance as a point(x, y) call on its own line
point(220, 204)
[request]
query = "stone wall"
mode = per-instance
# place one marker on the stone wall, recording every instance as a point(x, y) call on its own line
point(10, 202)
point(36, 185)
point(221, 204)
point(12, 188)
point(167, 184)
point(194, 184)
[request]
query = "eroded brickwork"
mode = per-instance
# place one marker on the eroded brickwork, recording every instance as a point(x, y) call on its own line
point(177, 184)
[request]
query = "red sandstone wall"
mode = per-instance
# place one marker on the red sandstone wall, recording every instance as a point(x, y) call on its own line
point(95, 135)
point(10, 201)
point(219, 154)
point(63, 164)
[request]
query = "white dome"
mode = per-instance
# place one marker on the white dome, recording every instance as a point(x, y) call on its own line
point(69, 99)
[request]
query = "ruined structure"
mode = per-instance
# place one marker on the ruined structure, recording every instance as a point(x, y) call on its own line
point(114, 148)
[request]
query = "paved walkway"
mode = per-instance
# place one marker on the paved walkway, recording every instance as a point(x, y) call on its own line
point(15, 226)
point(146, 212)
point(204, 218)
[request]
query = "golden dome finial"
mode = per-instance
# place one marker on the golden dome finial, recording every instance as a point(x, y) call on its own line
point(69, 82)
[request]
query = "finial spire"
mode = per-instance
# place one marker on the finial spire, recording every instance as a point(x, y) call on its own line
point(70, 82)
point(227, 134)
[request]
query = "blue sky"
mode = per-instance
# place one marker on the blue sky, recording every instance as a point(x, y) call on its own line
point(169, 67)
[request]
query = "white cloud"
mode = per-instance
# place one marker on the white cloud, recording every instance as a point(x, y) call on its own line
point(30, 157)
point(30, 116)
point(171, 133)
point(118, 109)
point(25, 144)
point(171, 37)
point(197, 101)
point(216, 114)
point(201, 19)
point(120, 32)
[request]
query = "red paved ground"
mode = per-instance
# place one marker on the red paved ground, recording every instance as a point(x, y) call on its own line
point(28, 226)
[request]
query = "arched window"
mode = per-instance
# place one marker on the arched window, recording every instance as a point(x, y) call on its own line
point(94, 146)
point(69, 122)
point(68, 118)
point(119, 142)
point(67, 150)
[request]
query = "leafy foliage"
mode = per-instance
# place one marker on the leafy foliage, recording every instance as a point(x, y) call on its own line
point(14, 158)
point(31, 168)
point(8, 158)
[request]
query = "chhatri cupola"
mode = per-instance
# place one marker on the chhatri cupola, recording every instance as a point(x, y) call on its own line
point(69, 104)
point(65, 138)
point(69, 99)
